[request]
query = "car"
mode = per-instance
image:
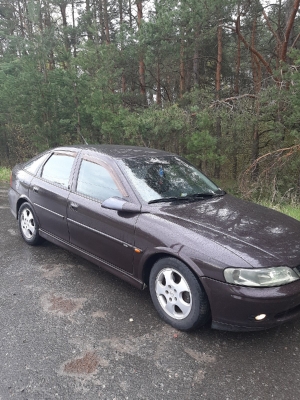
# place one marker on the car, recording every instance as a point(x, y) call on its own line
point(153, 219)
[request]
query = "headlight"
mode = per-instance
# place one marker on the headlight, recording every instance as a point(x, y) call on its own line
point(260, 277)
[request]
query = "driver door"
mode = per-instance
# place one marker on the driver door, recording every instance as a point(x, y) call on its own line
point(106, 234)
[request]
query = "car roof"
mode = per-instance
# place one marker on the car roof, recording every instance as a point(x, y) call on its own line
point(117, 151)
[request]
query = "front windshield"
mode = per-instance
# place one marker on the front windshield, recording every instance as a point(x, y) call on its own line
point(167, 177)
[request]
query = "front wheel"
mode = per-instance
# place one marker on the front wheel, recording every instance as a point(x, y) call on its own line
point(177, 295)
point(28, 225)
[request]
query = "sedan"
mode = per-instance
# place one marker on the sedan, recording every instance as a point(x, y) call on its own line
point(154, 220)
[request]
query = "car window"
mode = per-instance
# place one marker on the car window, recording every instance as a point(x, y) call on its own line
point(33, 165)
point(158, 178)
point(58, 168)
point(95, 181)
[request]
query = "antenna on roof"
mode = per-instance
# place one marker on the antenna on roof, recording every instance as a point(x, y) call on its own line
point(85, 142)
point(79, 132)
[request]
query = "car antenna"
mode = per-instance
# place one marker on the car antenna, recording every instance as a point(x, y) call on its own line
point(85, 142)
point(79, 132)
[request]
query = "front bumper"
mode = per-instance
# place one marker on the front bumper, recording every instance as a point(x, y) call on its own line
point(234, 307)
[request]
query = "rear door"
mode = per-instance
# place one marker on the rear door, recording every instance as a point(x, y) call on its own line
point(106, 234)
point(49, 193)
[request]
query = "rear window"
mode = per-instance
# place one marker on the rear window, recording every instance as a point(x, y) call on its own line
point(58, 169)
point(34, 165)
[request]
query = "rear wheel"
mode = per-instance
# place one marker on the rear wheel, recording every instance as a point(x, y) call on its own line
point(28, 225)
point(177, 295)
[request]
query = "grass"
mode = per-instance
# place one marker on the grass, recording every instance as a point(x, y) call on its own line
point(292, 209)
point(288, 209)
point(4, 174)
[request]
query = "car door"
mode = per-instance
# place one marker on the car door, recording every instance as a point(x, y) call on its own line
point(106, 234)
point(49, 192)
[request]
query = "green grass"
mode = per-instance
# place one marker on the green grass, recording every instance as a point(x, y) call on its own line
point(288, 209)
point(4, 174)
point(292, 209)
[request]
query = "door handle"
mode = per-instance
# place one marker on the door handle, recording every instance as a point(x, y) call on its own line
point(35, 189)
point(74, 206)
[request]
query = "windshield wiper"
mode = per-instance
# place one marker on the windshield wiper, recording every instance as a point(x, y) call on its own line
point(208, 194)
point(167, 199)
point(194, 196)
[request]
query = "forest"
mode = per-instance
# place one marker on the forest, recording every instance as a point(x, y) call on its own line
point(217, 82)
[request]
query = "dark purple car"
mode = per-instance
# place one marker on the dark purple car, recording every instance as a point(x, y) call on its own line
point(153, 219)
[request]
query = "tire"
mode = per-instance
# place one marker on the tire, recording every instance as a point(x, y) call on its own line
point(28, 225)
point(177, 295)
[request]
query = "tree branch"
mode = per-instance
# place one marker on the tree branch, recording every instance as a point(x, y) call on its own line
point(252, 49)
point(275, 34)
point(229, 99)
point(289, 29)
point(296, 40)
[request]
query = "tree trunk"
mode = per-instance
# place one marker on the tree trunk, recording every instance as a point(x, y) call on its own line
point(236, 91)
point(237, 63)
point(182, 66)
point(196, 58)
point(141, 57)
point(218, 89)
point(289, 26)
point(101, 20)
point(130, 14)
point(219, 62)
point(158, 94)
point(21, 16)
point(123, 79)
point(106, 22)
point(257, 77)
point(74, 35)
point(88, 19)
point(63, 7)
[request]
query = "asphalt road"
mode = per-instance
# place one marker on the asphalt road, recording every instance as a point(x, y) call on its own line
point(71, 331)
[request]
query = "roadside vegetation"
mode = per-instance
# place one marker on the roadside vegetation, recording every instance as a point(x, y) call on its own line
point(217, 82)
point(293, 210)
point(4, 174)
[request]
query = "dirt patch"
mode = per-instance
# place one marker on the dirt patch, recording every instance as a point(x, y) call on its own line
point(201, 358)
point(99, 314)
point(61, 305)
point(199, 376)
point(51, 271)
point(49, 267)
point(85, 365)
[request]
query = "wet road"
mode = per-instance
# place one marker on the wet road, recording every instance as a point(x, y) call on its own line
point(71, 331)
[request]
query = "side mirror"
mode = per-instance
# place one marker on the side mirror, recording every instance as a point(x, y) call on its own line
point(118, 204)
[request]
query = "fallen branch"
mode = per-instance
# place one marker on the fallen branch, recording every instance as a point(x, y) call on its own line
point(230, 99)
point(272, 161)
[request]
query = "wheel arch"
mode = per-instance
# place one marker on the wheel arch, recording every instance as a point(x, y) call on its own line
point(21, 201)
point(153, 258)
point(148, 264)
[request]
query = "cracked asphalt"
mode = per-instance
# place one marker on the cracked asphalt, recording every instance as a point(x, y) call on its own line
point(70, 331)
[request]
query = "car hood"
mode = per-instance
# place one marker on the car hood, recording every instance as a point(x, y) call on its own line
point(261, 236)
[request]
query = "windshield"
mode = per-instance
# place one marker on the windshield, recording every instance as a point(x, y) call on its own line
point(168, 177)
